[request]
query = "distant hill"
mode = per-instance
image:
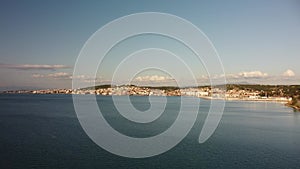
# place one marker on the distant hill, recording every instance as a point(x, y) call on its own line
point(266, 90)
point(269, 90)
point(150, 87)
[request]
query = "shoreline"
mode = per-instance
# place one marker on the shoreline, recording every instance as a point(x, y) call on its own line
point(274, 99)
point(292, 106)
point(277, 100)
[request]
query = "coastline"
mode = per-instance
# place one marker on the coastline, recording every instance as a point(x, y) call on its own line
point(274, 99)
point(242, 93)
point(292, 106)
point(278, 100)
point(286, 102)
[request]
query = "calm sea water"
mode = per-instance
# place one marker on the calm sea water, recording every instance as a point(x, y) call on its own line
point(42, 131)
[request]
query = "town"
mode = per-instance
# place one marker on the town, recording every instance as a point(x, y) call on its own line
point(281, 93)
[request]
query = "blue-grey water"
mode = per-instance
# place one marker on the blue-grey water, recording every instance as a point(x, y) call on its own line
point(42, 131)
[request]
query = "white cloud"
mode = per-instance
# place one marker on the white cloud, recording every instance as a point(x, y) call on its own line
point(152, 78)
point(252, 74)
point(68, 76)
point(58, 75)
point(33, 66)
point(288, 73)
point(38, 75)
point(241, 75)
point(259, 77)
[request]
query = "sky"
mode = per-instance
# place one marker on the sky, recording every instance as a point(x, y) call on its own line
point(257, 41)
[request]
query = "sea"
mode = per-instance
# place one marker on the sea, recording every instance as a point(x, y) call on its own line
point(43, 131)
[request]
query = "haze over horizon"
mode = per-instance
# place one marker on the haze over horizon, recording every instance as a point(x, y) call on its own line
point(257, 41)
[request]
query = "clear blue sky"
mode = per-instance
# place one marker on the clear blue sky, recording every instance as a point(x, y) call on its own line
point(260, 38)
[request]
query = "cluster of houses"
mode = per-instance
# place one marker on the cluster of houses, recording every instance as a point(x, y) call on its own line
point(202, 92)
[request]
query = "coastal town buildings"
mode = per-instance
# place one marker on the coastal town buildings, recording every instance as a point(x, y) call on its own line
point(201, 92)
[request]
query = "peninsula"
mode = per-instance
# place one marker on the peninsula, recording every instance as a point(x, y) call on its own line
point(289, 94)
